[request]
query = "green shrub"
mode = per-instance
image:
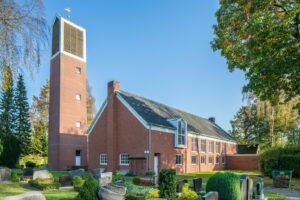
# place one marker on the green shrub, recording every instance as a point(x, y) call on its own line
point(226, 184)
point(43, 185)
point(77, 182)
point(36, 159)
point(136, 180)
point(118, 177)
point(130, 196)
point(280, 158)
point(89, 189)
point(14, 177)
point(152, 194)
point(167, 184)
point(188, 194)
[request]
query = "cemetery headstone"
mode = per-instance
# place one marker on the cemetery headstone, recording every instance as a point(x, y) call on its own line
point(76, 172)
point(260, 189)
point(41, 174)
point(197, 183)
point(211, 196)
point(112, 192)
point(65, 180)
point(4, 174)
point(244, 188)
point(180, 185)
point(250, 189)
point(105, 178)
point(97, 172)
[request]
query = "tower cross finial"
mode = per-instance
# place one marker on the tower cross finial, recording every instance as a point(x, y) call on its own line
point(68, 11)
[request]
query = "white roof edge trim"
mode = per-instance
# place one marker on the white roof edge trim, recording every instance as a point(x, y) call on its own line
point(210, 138)
point(140, 118)
point(98, 115)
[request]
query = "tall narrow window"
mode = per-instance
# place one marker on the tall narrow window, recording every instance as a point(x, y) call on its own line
point(218, 147)
point(124, 159)
point(194, 144)
point(223, 159)
point(203, 159)
point(210, 159)
point(218, 159)
point(194, 160)
point(181, 133)
point(211, 146)
point(203, 145)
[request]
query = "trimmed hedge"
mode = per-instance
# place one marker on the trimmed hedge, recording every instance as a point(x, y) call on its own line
point(226, 184)
point(41, 185)
point(77, 183)
point(167, 184)
point(280, 158)
point(89, 188)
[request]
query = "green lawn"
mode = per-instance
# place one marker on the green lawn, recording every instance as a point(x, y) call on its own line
point(19, 188)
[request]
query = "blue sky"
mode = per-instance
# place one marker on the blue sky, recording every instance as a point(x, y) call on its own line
point(157, 49)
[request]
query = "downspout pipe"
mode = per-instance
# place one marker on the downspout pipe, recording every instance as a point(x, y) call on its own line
point(149, 147)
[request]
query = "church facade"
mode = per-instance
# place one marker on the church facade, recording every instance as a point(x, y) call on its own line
point(129, 132)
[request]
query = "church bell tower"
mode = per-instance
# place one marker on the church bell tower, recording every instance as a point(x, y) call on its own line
point(67, 139)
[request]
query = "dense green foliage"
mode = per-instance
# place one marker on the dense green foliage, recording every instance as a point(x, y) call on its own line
point(14, 177)
point(77, 182)
point(34, 158)
point(152, 194)
point(130, 196)
point(136, 180)
point(22, 123)
point(280, 158)
point(226, 184)
point(43, 184)
point(268, 125)
point(89, 189)
point(262, 39)
point(40, 119)
point(188, 194)
point(167, 184)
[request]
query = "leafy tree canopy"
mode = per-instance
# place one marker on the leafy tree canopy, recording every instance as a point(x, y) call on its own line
point(262, 39)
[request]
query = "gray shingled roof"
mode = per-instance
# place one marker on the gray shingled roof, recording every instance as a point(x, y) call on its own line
point(158, 114)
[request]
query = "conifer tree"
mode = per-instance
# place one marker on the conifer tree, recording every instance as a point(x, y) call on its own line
point(22, 120)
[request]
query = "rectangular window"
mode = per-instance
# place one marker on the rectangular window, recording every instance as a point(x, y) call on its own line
point(78, 124)
point(178, 159)
point(78, 70)
point(194, 160)
point(124, 159)
point(103, 159)
point(194, 144)
point(203, 145)
point(210, 159)
point(217, 159)
point(223, 159)
point(78, 97)
point(211, 146)
point(181, 133)
point(202, 159)
point(218, 147)
point(224, 148)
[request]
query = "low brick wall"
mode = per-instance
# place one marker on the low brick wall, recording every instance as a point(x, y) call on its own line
point(242, 162)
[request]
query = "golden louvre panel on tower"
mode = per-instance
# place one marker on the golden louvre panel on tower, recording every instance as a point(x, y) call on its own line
point(73, 40)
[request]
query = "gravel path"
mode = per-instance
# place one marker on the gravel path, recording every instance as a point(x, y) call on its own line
point(291, 194)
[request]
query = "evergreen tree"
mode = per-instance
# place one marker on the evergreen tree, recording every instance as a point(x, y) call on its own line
point(11, 149)
point(22, 120)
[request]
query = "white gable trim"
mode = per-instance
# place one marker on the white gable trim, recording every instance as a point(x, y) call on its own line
point(98, 115)
point(140, 118)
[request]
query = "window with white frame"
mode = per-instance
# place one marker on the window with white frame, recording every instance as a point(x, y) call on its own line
point(178, 160)
point(210, 159)
point(218, 159)
point(223, 159)
point(124, 159)
point(78, 97)
point(217, 147)
point(202, 159)
point(78, 124)
point(194, 144)
point(181, 133)
point(194, 160)
point(224, 148)
point(211, 146)
point(78, 70)
point(103, 159)
point(203, 145)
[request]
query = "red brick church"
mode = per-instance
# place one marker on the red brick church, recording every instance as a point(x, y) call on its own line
point(129, 132)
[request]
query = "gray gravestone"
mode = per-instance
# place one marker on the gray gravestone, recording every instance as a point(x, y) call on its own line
point(197, 183)
point(180, 185)
point(244, 188)
point(250, 188)
point(65, 180)
point(41, 174)
point(4, 174)
point(105, 178)
point(27, 196)
point(77, 172)
point(211, 196)
point(27, 172)
point(112, 192)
